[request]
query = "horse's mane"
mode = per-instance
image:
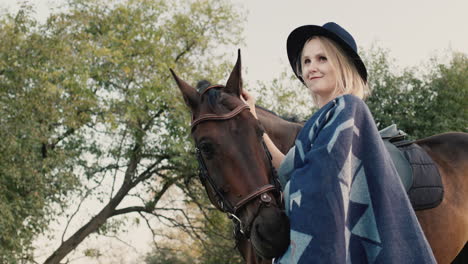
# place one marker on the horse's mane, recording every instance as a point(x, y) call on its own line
point(213, 94)
point(202, 85)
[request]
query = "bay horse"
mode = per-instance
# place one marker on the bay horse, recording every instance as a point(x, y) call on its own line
point(230, 147)
point(236, 169)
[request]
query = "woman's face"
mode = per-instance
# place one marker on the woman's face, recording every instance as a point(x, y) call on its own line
point(317, 72)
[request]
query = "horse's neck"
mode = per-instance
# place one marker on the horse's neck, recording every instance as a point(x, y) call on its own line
point(282, 132)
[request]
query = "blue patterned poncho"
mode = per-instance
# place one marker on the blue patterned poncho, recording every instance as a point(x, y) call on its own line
point(343, 195)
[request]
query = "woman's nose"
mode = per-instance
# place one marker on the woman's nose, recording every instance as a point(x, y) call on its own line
point(311, 68)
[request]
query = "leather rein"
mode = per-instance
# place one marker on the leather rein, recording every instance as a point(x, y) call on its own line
point(221, 202)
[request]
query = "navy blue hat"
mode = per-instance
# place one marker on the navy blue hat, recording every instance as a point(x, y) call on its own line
point(331, 30)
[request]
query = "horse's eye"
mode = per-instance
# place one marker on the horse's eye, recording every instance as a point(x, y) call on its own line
point(207, 149)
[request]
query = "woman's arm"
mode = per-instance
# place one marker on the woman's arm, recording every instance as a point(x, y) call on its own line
point(276, 154)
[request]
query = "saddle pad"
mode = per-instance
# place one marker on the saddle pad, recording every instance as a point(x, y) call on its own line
point(401, 163)
point(426, 191)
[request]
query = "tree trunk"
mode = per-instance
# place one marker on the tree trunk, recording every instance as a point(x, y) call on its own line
point(93, 225)
point(71, 243)
point(96, 222)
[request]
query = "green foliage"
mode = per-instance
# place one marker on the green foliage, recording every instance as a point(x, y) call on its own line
point(89, 108)
point(420, 104)
point(215, 244)
point(168, 256)
point(218, 245)
point(449, 107)
point(285, 96)
point(36, 161)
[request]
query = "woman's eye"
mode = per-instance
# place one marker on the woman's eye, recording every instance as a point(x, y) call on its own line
point(323, 58)
point(306, 61)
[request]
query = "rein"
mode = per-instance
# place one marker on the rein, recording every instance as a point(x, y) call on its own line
point(221, 202)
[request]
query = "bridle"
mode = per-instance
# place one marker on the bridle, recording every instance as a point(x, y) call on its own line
point(220, 200)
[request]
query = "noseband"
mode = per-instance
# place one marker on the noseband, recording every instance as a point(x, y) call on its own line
point(222, 203)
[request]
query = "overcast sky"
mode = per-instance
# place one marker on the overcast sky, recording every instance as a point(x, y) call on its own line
point(412, 30)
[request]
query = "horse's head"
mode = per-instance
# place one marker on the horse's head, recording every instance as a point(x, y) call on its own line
point(235, 165)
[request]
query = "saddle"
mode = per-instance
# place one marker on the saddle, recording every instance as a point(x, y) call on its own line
point(418, 172)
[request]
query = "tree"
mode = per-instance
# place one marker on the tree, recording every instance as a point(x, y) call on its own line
point(285, 96)
point(448, 108)
point(215, 244)
point(421, 101)
point(89, 110)
point(38, 125)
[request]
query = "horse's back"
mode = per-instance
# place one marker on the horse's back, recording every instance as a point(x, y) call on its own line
point(457, 140)
point(450, 152)
point(446, 226)
point(452, 147)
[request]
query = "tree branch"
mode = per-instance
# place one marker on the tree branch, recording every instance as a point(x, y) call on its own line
point(78, 208)
point(131, 209)
point(97, 221)
point(184, 51)
point(150, 121)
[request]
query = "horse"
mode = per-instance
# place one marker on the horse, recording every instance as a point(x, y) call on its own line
point(230, 147)
point(239, 178)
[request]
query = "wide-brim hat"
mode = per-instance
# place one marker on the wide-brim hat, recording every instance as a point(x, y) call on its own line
point(331, 30)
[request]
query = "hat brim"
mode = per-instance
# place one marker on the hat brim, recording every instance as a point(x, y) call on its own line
point(300, 35)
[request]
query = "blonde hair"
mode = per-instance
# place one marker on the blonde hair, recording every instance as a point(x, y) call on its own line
point(348, 79)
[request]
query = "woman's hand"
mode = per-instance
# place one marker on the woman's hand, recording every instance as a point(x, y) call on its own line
point(250, 101)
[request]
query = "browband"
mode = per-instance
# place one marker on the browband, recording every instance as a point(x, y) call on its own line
point(229, 115)
point(211, 87)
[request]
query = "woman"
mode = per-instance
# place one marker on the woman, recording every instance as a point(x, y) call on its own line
point(343, 196)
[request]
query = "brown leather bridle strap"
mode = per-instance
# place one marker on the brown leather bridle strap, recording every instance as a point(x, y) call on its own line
point(227, 116)
point(211, 87)
point(264, 189)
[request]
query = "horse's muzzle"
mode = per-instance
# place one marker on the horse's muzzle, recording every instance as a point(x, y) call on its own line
point(270, 233)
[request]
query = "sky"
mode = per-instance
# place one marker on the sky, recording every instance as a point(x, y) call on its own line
point(412, 31)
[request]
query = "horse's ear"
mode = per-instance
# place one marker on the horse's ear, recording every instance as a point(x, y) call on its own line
point(234, 83)
point(191, 95)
